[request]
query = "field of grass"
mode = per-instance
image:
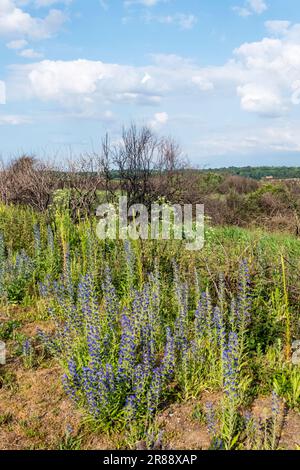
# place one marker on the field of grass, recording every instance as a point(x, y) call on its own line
point(142, 344)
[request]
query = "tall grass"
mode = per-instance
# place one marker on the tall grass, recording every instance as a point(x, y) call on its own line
point(143, 324)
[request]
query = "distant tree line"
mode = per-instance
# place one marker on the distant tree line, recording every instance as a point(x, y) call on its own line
point(147, 169)
point(260, 172)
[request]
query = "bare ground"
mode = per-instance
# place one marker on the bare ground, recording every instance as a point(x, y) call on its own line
point(35, 412)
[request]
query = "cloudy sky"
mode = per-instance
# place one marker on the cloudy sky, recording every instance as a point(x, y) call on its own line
point(222, 76)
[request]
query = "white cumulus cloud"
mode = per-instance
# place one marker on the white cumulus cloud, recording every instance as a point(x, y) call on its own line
point(13, 120)
point(14, 21)
point(260, 99)
point(182, 20)
point(159, 120)
point(264, 75)
point(277, 26)
point(30, 54)
point(17, 44)
point(146, 3)
point(251, 7)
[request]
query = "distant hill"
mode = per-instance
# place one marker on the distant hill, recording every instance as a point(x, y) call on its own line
point(282, 172)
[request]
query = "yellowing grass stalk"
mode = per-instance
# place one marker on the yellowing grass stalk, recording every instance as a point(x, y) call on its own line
point(287, 313)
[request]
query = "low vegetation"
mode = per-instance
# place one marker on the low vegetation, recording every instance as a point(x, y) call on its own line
point(111, 343)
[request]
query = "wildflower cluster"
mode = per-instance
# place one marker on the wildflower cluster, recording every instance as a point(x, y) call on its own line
point(121, 359)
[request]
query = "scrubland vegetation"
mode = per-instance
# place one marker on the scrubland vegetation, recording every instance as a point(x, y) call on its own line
point(141, 343)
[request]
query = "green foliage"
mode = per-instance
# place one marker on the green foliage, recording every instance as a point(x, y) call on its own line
point(8, 380)
point(261, 171)
point(287, 385)
point(6, 418)
point(47, 262)
point(70, 441)
point(7, 329)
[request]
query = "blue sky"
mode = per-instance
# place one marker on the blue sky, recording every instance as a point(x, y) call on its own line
point(221, 76)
